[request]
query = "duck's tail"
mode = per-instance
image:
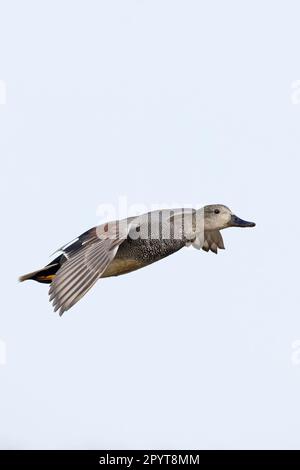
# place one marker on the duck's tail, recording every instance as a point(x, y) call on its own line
point(44, 275)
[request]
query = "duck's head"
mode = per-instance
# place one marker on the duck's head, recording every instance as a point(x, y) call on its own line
point(218, 217)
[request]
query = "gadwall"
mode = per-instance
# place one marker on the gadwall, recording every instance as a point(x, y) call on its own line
point(122, 246)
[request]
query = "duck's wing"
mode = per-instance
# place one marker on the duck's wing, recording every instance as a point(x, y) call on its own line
point(86, 260)
point(212, 241)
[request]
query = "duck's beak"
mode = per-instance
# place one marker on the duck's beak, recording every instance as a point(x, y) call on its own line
point(237, 222)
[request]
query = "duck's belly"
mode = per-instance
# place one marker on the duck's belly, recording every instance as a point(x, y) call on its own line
point(135, 254)
point(122, 266)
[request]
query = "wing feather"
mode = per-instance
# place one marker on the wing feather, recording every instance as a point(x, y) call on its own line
point(212, 241)
point(87, 258)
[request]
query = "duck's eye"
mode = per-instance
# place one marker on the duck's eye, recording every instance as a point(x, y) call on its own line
point(217, 211)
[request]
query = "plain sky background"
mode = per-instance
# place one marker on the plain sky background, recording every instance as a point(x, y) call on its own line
point(161, 102)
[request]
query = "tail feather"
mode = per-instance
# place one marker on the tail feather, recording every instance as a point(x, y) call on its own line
point(44, 275)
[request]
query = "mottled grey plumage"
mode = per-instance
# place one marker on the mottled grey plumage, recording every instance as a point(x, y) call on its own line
point(156, 238)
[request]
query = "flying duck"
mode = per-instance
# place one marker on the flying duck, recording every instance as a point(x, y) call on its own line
point(122, 246)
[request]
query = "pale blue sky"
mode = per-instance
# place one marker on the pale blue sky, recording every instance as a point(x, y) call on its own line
point(163, 102)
